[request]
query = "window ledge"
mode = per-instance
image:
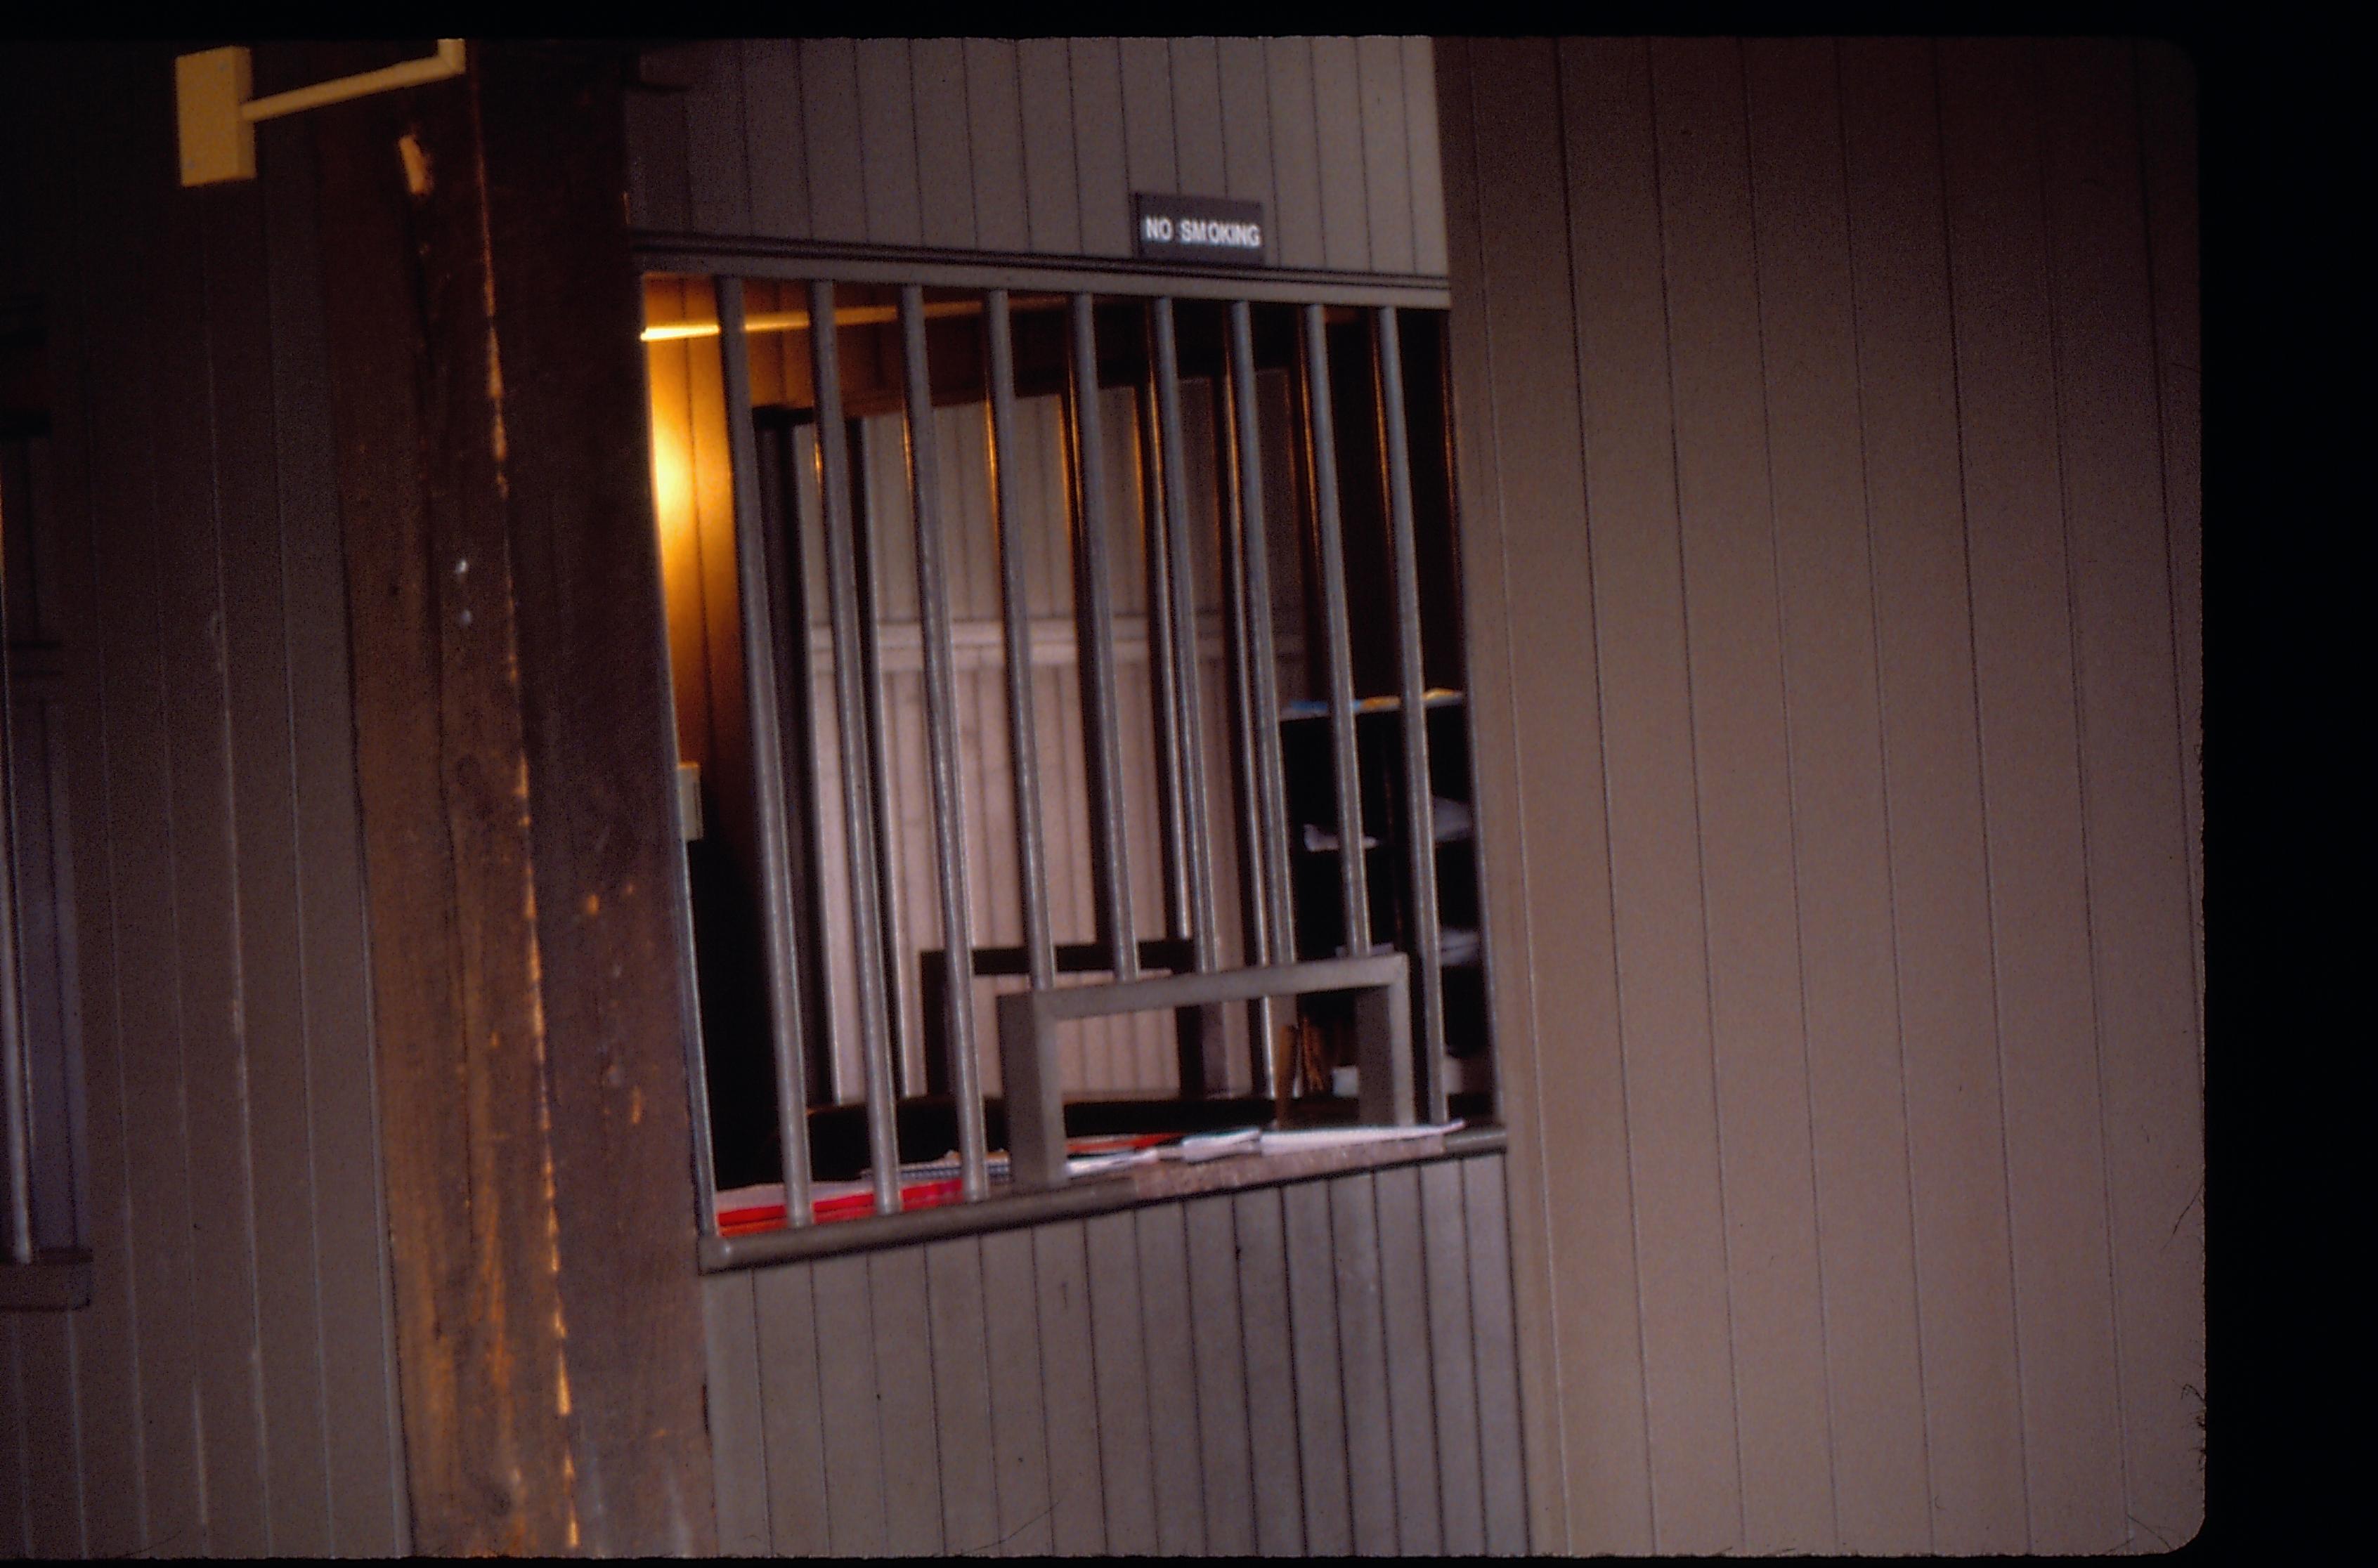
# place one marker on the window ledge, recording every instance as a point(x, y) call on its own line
point(1161, 1182)
point(54, 1282)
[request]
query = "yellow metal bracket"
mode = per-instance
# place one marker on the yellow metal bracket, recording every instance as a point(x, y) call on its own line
point(218, 117)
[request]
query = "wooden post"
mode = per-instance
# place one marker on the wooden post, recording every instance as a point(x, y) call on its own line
point(521, 844)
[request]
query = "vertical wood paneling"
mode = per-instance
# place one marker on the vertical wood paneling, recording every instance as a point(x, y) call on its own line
point(1034, 145)
point(774, 140)
point(848, 1401)
point(352, 1285)
point(1313, 1343)
point(1197, 130)
point(834, 147)
point(2168, 126)
point(190, 479)
point(945, 160)
point(2136, 828)
point(1362, 1365)
point(1337, 110)
point(1245, 105)
point(1102, 183)
point(718, 149)
point(1152, 159)
point(1052, 198)
point(1423, 159)
point(1161, 1356)
point(1656, 852)
point(1740, 731)
point(1212, 1316)
point(1452, 1359)
point(1412, 1414)
point(1902, 384)
point(1274, 1428)
point(1019, 1431)
point(1847, 974)
point(2023, 656)
point(1931, 763)
point(1486, 1221)
point(962, 1395)
point(737, 1412)
point(995, 143)
point(1118, 1350)
point(137, 806)
point(1176, 1421)
point(204, 907)
point(44, 1346)
point(16, 1479)
point(900, 1325)
point(269, 880)
point(1077, 1509)
point(658, 184)
point(1387, 152)
point(887, 145)
point(1519, 370)
point(1295, 153)
point(793, 1424)
point(92, 458)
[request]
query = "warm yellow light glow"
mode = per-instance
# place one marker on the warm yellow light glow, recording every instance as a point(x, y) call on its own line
point(672, 471)
point(850, 315)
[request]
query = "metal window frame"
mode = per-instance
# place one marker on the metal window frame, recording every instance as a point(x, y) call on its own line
point(1384, 983)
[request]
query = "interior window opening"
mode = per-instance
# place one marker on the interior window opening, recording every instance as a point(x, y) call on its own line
point(1092, 495)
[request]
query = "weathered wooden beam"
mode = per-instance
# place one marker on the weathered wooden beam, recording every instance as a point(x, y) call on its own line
point(528, 1006)
point(601, 755)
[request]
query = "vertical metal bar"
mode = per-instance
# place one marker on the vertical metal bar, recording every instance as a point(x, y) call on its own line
point(942, 745)
point(907, 1066)
point(1189, 722)
point(788, 599)
point(1321, 440)
point(1419, 816)
point(1186, 700)
point(1094, 622)
point(1263, 684)
point(16, 1094)
point(767, 762)
point(1254, 910)
point(851, 699)
point(1442, 390)
point(1015, 606)
point(1171, 815)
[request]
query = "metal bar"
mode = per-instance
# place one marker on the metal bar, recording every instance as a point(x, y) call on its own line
point(797, 728)
point(941, 746)
point(908, 1062)
point(1419, 816)
point(851, 700)
point(1073, 958)
point(446, 63)
point(1271, 801)
point(1255, 912)
point(1321, 440)
point(1201, 1040)
point(777, 927)
point(1498, 1103)
point(1102, 745)
point(1015, 607)
point(1124, 1188)
point(1029, 1020)
point(1190, 722)
point(799, 260)
point(16, 1092)
point(1171, 815)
